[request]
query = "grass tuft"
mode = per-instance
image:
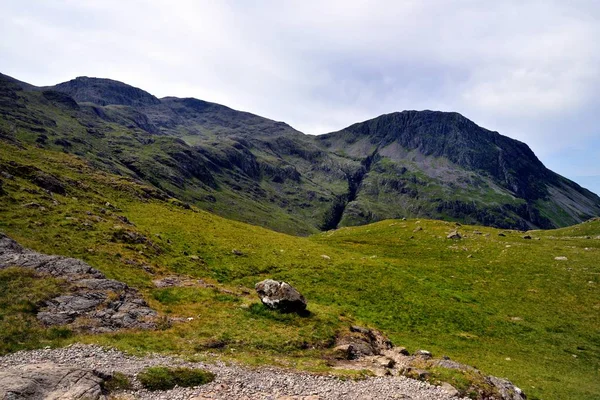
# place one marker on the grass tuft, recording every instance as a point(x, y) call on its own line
point(163, 378)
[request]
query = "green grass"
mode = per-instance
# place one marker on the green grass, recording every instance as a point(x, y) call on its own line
point(163, 378)
point(503, 304)
point(117, 382)
point(21, 292)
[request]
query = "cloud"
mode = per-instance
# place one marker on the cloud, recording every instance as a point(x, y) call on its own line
point(530, 70)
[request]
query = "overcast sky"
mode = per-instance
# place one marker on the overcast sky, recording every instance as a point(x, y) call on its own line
point(527, 69)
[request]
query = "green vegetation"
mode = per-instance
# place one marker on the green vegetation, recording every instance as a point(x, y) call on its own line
point(163, 378)
point(248, 168)
point(501, 303)
point(21, 292)
point(117, 382)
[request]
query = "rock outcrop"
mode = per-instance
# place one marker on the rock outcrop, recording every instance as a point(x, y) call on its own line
point(91, 303)
point(50, 381)
point(360, 342)
point(368, 349)
point(280, 296)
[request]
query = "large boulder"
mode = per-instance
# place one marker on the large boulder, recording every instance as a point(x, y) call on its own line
point(50, 381)
point(280, 296)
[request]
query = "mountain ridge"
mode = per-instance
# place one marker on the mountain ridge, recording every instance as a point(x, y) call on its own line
point(246, 167)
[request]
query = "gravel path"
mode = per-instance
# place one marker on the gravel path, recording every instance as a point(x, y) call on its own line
point(232, 381)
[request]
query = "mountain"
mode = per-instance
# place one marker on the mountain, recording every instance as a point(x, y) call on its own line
point(442, 164)
point(246, 167)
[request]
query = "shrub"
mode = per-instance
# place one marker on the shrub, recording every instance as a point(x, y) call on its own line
point(163, 378)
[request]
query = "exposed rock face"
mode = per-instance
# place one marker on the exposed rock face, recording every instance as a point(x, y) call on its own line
point(280, 296)
point(92, 303)
point(360, 342)
point(369, 349)
point(507, 390)
point(50, 381)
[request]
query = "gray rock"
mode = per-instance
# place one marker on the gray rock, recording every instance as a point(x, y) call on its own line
point(423, 354)
point(359, 329)
point(91, 303)
point(451, 390)
point(50, 381)
point(507, 390)
point(361, 342)
point(454, 235)
point(280, 296)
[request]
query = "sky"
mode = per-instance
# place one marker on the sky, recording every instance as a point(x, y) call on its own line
point(527, 69)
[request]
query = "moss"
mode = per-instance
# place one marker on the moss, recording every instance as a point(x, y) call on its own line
point(163, 378)
point(117, 382)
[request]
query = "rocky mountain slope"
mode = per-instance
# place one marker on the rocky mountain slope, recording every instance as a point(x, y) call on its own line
point(249, 168)
point(442, 164)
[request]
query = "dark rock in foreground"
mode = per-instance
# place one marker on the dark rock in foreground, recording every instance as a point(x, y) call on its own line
point(280, 296)
point(92, 302)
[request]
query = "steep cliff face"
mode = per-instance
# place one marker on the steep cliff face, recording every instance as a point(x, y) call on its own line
point(250, 168)
point(441, 164)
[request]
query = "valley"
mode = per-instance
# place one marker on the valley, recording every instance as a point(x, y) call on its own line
point(493, 299)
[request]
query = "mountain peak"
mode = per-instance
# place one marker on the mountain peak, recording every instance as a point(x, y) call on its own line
point(105, 92)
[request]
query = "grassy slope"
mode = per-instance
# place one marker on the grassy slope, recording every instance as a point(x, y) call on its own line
point(510, 308)
point(165, 162)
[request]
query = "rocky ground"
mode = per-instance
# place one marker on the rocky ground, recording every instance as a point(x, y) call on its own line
point(232, 381)
point(90, 301)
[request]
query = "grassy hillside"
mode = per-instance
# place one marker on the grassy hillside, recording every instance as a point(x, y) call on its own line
point(263, 172)
point(501, 303)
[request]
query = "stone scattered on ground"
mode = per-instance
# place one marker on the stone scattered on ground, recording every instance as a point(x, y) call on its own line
point(561, 258)
point(183, 281)
point(280, 296)
point(90, 303)
point(232, 382)
point(368, 349)
point(454, 235)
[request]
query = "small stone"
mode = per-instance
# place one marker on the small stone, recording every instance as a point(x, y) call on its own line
point(423, 353)
point(561, 258)
point(454, 235)
point(384, 362)
point(448, 388)
point(526, 236)
point(401, 350)
point(325, 257)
